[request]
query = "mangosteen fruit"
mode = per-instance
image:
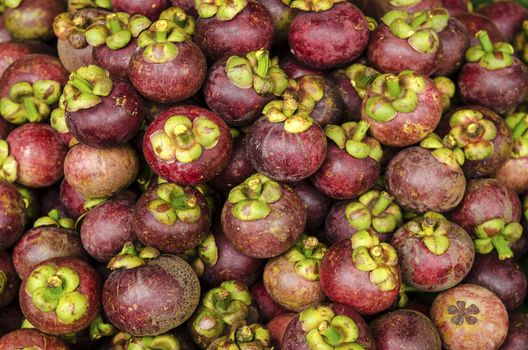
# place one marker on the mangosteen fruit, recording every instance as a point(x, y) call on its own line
point(13, 216)
point(31, 339)
point(455, 42)
point(148, 8)
point(31, 19)
point(316, 203)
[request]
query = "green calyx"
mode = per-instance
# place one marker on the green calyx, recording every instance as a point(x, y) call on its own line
point(447, 90)
point(74, 28)
point(379, 259)
point(76, 5)
point(183, 140)
point(28, 102)
point(30, 200)
point(518, 123)
point(158, 42)
point(432, 228)
point(3, 281)
point(419, 28)
point(257, 71)
point(521, 42)
point(243, 337)
point(294, 115)
point(404, 3)
point(444, 150)
point(85, 88)
point(374, 211)
point(223, 10)
point(117, 30)
point(251, 199)
point(491, 56)
point(306, 255)
point(54, 218)
point(100, 329)
point(131, 257)
point(173, 203)
point(165, 341)
point(324, 330)
point(309, 90)
point(8, 164)
point(180, 18)
point(205, 254)
point(352, 137)
point(312, 5)
point(496, 234)
point(11, 4)
point(361, 77)
point(393, 94)
point(56, 289)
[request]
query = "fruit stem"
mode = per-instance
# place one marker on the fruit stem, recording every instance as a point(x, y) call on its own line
point(331, 335)
point(222, 300)
point(3, 281)
point(82, 84)
point(31, 109)
point(382, 203)
point(393, 84)
point(485, 40)
point(309, 244)
point(418, 21)
point(502, 247)
point(115, 24)
point(361, 131)
point(473, 129)
point(428, 226)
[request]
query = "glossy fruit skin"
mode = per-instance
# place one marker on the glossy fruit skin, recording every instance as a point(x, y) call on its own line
point(97, 173)
point(187, 6)
point(12, 215)
point(43, 243)
point(343, 283)
point(268, 308)
point(39, 153)
point(378, 8)
point(316, 203)
point(457, 6)
point(294, 337)
point(420, 183)
point(402, 329)
point(27, 338)
point(106, 228)
point(350, 99)
point(517, 333)
point(277, 326)
point(148, 8)
point(250, 30)
point(259, 238)
point(427, 271)
point(165, 291)
point(330, 38)
point(507, 16)
point(90, 285)
point(514, 174)
point(12, 282)
point(210, 163)
point(455, 42)
point(486, 199)
point(5, 128)
point(11, 51)
point(475, 22)
point(11, 318)
point(4, 33)
point(71, 201)
point(295, 69)
point(72, 58)
point(115, 61)
point(504, 278)
point(33, 19)
point(282, 16)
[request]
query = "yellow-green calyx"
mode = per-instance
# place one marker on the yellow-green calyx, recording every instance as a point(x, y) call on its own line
point(393, 94)
point(496, 234)
point(447, 90)
point(244, 337)
point(419, 28)
point(444, 151)
point(309, 89)
point(178, 16)
point(131, 257)
point(257, 71)
point(379, 259)
point(183, 140)
point(86, 86)
point(165, 341)
point(76, 5)
point(28, 102)
point(30, 202)
point(158, 42)
point(251, 198)
point(518, 123)
point(361, 77)
point(8, 164)
point(55, 218)
point(173, 204)
point(205, 254)
point(11, 4)
point(294, 115)
point(223, 10)
point(324, 330)
point(73, 27)
point(374, 211)
point(491, 56)
point(432, 228)
point(117, 30)
point(525, 208)
point(306, 255)
point(100, 329)
point(3, 281)
point(56, 289)
point(521, 42)
point(352, 137)
point(312, 5)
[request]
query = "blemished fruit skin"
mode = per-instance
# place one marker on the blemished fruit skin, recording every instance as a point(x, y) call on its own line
point(29, 338)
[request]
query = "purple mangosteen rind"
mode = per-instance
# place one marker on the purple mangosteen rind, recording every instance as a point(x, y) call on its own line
point(151, 9)
point(9, 281)
point(378, 8)
point(455, 42)
point(317, 204)
point(13, 217)
point(32, 19)
point(30, 338)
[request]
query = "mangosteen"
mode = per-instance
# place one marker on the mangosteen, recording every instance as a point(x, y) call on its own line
point(237, 27)
point(147, 294)
point(351, 166)
point(9, 281)
point(13, 216)
point(187, 145)
point(187, 5)
point(5, 37)
point(244, 336)
point(493, 77)
point(517, 337)
point(507, 16)
point(286, 144)
point(11, 51)
point(238, 88)
point(173, 340)
point(455, 41)
point(316, 203)
point(470, 317)
point(5, 128)
point(447, 89)
point(457, 6)
point(295, 69)
point(169, 67)
point(10, 318)
point(263, 218)
point(277, 326)
point(377, 8)
point(31, 339)
point(76, 5)
point(72, 202)
point(282, 16)
point(148, 8)
point(268, 308)
point(475, 23)
point(361, 272)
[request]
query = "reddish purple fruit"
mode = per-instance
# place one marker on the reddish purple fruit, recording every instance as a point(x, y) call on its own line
point(457, 6)
point(32, 19)
point(13, 217)
point(282, 16)
point(268, 307)
point(507, 16)
point(295, 69)
point(31, 338)
point(9, 281)
point(455, 40)
point(11, 51)
point(277, 326)
point(148, 8)
point(72, 202)
point(517, 333)
point(316, 203)
point(378, 8)
point(475, 23)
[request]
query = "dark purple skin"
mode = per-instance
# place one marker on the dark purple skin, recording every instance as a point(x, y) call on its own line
point(234, 105)
point(72, 202)
point(27, 338)
point(268, 308)
point(211, 162)
point(505, 278)
point(39, 153)
point(295, 338)
point(33, 19)
point(187, 6)
point(49, 200)
point(455, 40)
point(176, 238)
point(514, 174)
point(115, 61)
point(316, 203)
point(165, 295)
point(282, 155)
point(10, 318)
point(12, 282)
point(43, 243)
point(282, 16)
point(419, 182)
point(390, 54)
point(111, 123)
point(250, 30)
point(344, 177)
point(501, 90)
point(148, 8)
point(405, 329)
point(377, 8)
point(507, 16)
point(475, 22)
point(430, 272)
point(486, 199)
point(106, 228)
point(90, 285)
point(172, 81)
point(295, 69)
point(457, 6)
point(231, 264)
point(277, 326)
point(11, 51)
point(5, 128)
point(12, 215)
point(259, 238)
point(520, 246)
point(350, 99)
point(5, 37)
point(517, 337)
point(73, 58)
point(330, 38)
